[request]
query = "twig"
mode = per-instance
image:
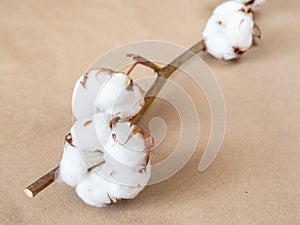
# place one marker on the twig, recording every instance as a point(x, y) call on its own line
point(41, 183)
point(162, 75)
point(140, 60)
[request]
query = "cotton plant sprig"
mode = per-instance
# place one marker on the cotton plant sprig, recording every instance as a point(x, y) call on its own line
point(106, 155)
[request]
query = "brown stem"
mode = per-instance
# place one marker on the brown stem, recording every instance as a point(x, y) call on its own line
point(41, 183)
point(162, 75)
point(140, 60)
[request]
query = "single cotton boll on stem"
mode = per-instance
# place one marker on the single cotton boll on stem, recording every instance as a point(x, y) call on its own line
point(229, 31)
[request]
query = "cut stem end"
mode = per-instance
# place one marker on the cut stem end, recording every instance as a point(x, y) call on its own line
point(28, 192)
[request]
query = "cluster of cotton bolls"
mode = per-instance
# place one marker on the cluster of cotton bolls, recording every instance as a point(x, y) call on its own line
point(106, 158)
point(230, 30)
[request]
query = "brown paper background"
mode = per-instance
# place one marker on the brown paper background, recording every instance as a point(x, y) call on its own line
point(46, 45)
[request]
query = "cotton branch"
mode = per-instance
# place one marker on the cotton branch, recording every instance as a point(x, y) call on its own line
point(162, 75)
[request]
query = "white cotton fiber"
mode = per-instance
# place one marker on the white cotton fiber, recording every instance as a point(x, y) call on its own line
point(228, 32)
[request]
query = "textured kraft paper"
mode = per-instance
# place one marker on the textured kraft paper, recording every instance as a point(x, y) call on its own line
point(46, 45)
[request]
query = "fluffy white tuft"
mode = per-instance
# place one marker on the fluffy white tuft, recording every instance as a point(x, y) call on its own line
point(228, 32)
point(85, 92)
point(93, 190)
point(75, 163)
point(106, 91)
point(98, 190)
point(91, 133)
point(120, 96)
point(72, 167)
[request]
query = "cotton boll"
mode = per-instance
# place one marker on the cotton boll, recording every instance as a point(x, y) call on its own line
point(86, 90)
point(127, 153)
point(131, 163)
point(139, 140)
point(93, 190)
point(107, 94)
point(106, 91)
point(123, 154)
point(127, 174)
point(102, 126)
point(254, 3)
point(72, 167)
point(120, 96)
point(80, 106)
point(120, 191)
point(123, 176)
point(75, 163)
point(121, 131)
point(121, 171)
point(228, 32)
point(100, 188)
point(211, 29)
point(133, 150)
point(219, 47)
point(226, 10)
point(91, 133)
point(85, 136)
point(239, 31)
